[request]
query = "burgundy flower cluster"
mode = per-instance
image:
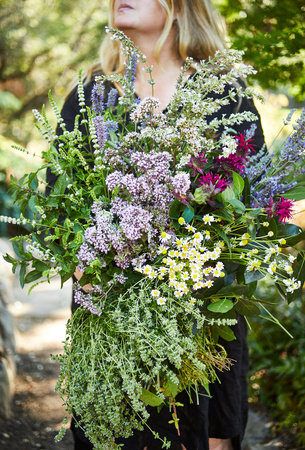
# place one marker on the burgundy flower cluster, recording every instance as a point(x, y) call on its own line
point(216, 180)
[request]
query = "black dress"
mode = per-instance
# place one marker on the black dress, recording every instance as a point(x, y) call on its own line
point(222, 416)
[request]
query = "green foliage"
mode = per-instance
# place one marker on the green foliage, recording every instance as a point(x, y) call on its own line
point(8, 208)
point(9, 101)
point(272, 34)
point(43, 44)
point(277, 369)
point(132, 356)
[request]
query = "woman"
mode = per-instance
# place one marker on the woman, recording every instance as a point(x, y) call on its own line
point(167, 31)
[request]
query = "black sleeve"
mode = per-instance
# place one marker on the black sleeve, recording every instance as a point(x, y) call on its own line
point(241, 105)
point(247, 104)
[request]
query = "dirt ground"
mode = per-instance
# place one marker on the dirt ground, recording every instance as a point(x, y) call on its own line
point(37, 411)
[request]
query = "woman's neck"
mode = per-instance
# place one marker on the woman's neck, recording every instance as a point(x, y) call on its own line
point(168, 59)
point(165, 70)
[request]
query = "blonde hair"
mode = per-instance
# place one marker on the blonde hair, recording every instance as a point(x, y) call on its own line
point(200, 33)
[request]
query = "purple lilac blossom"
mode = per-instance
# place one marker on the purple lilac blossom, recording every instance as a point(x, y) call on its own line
point(113, 179)
point(118, 205)
point(85, 300)
point(98, 238)
point(155, 164)
point(120, 278)
point(112, 98)
point(85, 255)
point(101, 132)
point(123, 259)
point(181, 183)
point(97, 98)
point(113, 157)
point(135, 221)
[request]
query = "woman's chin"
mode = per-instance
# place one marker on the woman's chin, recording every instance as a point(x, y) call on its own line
point(124, 24)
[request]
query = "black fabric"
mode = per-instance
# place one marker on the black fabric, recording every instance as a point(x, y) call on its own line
point(224, 415)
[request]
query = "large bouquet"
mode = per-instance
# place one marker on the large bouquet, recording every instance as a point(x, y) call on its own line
point(171, 221)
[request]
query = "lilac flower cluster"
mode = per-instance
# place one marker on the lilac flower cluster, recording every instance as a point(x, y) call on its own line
point(103, 128)
point(101, 132)
point(85, 299)
point(97, 98)
point(135, 221)
point(128, 230)
point(112, 98)
point(85, 255)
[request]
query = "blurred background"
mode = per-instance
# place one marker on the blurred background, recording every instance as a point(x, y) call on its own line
point(44, 44)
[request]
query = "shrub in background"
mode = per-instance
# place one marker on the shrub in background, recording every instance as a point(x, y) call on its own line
point(277, 371)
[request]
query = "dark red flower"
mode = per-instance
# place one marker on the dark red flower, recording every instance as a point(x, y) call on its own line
point(244, 145)
point(281, 208)
point(284, 209)
point(213, 182)
point(232, 162)
point(269, 207)
point(197, 163)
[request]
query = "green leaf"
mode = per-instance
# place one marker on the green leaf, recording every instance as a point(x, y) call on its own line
point(52, 201)
point(200, 196)
point(221, 306)
point(291, 233)
point(150, 399)
point(225, 332)
point(188, 214)
point(170, 389)
point(32, 276)
point(234, 289)
point(237, 205)
point(65, 238)
point(77, 227)
point(252, 288)
point(22, 274)
point(175, 209)
point(247, 308)
point(18, 249)
point(60, 185)
point(247, 192)
point(33, 181)
point(8, 258)
point(238, 184)
point(227, 194)
point(65, 277)
point(225, 214)
point(255, 275)
point(296, 193)
point(41, 266)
